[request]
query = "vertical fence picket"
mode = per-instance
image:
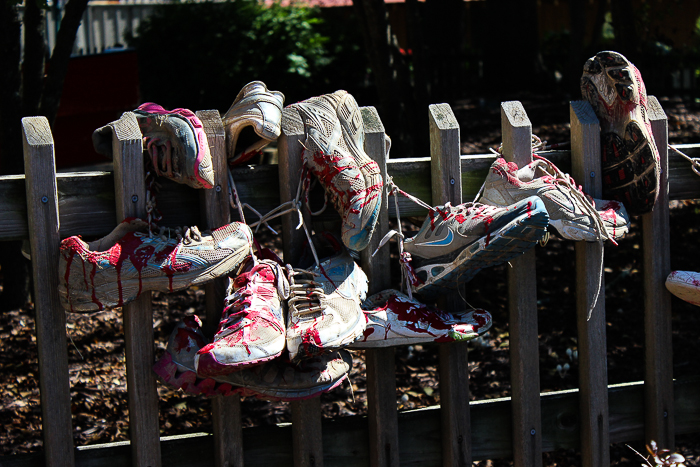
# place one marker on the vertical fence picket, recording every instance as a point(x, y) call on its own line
point(130, 198)
point(446, 180)
point(42, 217)
point(593, 372)
point(522, 305)
point(226, 411)
point(658, 378)
point(306, 414)
point(381, 365)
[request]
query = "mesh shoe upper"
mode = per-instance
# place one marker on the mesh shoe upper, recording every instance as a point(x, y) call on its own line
point(324, 307)
point(395, 319)
point(630, 158)
point(177, 145)
point(114, 270)
point(574, 214)
point(334, 152)
point(259, 109)
point(252, 328)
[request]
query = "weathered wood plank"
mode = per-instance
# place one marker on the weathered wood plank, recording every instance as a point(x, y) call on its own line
point(420, 439)
point(593, 370)
point(130, 198)
point(522, 306)
point(306, 415)
point(226, 411)
point(86, 199)
point(658, 349)
point(42, 207)
point(380, 363)
point(446, 184)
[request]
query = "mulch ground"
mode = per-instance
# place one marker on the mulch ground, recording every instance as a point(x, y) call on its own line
point(96, 345)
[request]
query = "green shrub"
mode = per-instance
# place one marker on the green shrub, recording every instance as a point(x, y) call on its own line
point(199, 55)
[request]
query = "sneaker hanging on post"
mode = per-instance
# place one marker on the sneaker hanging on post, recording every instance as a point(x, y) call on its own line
point(456, 242)
point(574, 214)
point(395, 319)
point(252, 328)
point(630, 159)
point(116, 269)
point(324, 307)
point(276, 379)
point(175, 141)
point(257, 109)
point(334, 152)
point(685, 285)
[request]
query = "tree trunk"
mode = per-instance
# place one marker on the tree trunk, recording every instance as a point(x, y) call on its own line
point(58, 65)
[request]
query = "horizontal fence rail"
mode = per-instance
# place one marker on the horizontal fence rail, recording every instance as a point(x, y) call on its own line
point(455, 433)
point(86, 199)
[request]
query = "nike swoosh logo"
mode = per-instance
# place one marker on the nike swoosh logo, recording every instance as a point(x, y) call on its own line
point(445, 241)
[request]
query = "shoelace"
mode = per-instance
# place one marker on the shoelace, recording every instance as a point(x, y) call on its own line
point(236, 303)
point(184, 234)
point(305, 293)
point(694, 161)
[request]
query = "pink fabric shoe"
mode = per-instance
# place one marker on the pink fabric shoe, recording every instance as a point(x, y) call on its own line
point(395, 319)
point(252, 328)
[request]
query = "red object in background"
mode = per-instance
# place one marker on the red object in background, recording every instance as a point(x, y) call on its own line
point(98, 89)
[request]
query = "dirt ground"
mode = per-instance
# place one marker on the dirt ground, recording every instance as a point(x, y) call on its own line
point(96, 344)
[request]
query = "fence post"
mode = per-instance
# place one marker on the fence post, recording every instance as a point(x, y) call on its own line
point(658, 384)
point(381, 364)
point(593, 369)
point(306, 414)
point(446, 186)
point(130, 198)
point(42, 219)
point(226, 411)
point(522, 305)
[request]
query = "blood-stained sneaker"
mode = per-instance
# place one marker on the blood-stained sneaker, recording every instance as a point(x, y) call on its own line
point(175, 142)
point(252, 328)
point(456, 242)
point(574, 214)
point(324, 307)
point(256, 109)
point(116, 269)
point(276, 379)
point(334, 153)
point(630, 159)
point(685, 285)
point(395, 319)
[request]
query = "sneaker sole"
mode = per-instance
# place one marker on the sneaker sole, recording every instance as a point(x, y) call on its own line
point(106, 296)
point(206, 362)
point(189, 382)
point(629, 157)
point(685, 285)
point(511, 240)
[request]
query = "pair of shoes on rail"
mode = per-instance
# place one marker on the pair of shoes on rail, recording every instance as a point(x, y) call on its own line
point(177, 146)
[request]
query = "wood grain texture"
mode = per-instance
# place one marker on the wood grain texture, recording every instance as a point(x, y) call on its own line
point(226, 411)
point(522, 306)
point(381, 367)
point(42, 211)
point(130, 198)
point(593, 373)
point(454, 358)
point(658, 348)
point(306, 415)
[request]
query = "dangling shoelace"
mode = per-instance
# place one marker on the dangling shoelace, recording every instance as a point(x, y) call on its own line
point(694, 161)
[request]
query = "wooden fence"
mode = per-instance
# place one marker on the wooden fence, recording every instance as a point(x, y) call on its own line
point(45, 207)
